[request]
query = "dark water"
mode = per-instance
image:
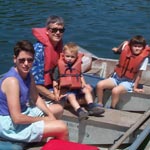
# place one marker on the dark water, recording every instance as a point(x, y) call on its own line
point(96, 25)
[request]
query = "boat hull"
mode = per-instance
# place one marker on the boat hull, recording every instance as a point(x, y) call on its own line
point(103, 130)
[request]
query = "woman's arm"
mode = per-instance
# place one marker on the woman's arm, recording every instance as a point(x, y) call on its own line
point(10, 87)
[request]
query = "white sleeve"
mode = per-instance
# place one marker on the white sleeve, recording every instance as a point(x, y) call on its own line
point(144, 64)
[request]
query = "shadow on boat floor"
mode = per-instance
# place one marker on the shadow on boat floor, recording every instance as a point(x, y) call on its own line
point(7, 145)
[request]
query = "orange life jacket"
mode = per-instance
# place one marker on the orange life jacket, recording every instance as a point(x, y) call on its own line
point(51, 55)
point(70, 76)
point(129, 63)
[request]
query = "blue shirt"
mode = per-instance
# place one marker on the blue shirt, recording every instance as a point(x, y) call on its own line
point(38, 64)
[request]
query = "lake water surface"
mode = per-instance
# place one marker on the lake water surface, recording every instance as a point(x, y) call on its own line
point(96, 25)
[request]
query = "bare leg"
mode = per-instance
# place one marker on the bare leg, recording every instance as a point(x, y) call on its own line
point(57, 110)
point(88, 94)
point(73, 101)
point(57, 129)
point(92, 108)
point(101, 86)
point(116, 91)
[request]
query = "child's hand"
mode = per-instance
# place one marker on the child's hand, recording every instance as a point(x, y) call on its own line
point(138, 90)
point(87, 87)
point(57, 97)
point(114, 49)
point(63, 95)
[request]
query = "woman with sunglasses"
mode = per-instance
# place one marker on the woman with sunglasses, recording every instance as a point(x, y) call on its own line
point(18, 120)
point(47, 49)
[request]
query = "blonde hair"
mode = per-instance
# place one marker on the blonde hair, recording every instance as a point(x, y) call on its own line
point(72, 47)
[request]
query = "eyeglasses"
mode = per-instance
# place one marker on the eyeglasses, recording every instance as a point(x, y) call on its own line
point(54, 30)
point(22, 60)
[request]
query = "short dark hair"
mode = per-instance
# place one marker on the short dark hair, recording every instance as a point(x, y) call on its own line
point(138, 39)
point(23, 45)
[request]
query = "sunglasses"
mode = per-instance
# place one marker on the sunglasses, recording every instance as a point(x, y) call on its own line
point(54, 30)
point(22, 60)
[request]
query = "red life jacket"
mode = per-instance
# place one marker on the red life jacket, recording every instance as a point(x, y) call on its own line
point(51, 55)
point(70, 76)
point(129, 63)
point(55, 144)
